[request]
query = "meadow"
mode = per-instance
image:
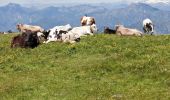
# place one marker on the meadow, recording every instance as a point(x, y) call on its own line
point(100, 67)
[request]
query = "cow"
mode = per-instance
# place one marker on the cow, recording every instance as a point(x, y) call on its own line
point(24, 28)
point(84, 30)
point(68, 37)
point(148, 26)
point(107, 30)
point(121, 30)
point(25, 40)
point(53, 33)
point(87, 21)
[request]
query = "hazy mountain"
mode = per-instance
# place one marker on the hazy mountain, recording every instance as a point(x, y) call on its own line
point(105, 15)
point(160, 4)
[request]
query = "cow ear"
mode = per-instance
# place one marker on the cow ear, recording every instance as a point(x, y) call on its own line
point(48, 31)
point(81, 18)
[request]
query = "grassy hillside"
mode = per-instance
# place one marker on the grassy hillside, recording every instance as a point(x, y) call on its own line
point(102, 67)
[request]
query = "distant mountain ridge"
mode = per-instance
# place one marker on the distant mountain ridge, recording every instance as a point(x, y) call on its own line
point(130, 16)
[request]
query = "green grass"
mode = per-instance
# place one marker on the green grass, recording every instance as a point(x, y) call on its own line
point(100, 67)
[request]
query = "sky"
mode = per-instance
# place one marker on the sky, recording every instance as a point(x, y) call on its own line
point(33, 2)
point(3, 2)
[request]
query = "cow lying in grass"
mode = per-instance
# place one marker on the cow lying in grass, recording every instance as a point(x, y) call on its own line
point(52, 33)
point(84, 30)
point(24, 28)
point(121, 30)
point(25, 40)
point(63, 33)
point(68, 37)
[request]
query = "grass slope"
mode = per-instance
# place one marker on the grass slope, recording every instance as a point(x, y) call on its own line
point(102, 67)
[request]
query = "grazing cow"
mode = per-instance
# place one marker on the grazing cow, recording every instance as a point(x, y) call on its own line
point(87, 21)
point(25, 40)
point(52, 36)
point(24, 28)
point(148, 26)
point(84, 30)
point(107, 30)
point(121, 30)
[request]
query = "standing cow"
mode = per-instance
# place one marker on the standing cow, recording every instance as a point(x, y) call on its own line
point(148, 26)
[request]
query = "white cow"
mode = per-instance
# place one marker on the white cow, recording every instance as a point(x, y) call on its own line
point(84, 30)
point(53, 33)
point(148, 26)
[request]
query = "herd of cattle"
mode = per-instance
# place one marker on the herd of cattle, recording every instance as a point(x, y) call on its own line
point(32, 35)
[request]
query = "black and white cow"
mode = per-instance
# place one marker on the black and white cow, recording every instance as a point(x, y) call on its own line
point(52, 34)
point(148, 26)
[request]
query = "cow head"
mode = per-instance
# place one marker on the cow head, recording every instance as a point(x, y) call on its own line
point(19, 26)
point(118, 26)
point(149, 27)
point(46, 33)
point(90, 21)
point(77, 38)
point(43, 34)
point(93, 28)
point(83, 21)
point(31, 39)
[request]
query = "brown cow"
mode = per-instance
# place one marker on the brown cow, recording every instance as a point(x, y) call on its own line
point(121, 30)
point(25, 40)
point(87, 21)
point(24, 28)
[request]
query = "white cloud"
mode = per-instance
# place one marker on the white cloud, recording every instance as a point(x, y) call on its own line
point(157, 1)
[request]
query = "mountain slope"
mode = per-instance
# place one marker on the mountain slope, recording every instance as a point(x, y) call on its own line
point(130, 16)
point(104, 67)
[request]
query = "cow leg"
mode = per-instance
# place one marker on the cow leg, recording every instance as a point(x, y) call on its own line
point(72, 42)
point(84, 35)
point(90, 33)
point(144, 29)
point(119, 33)
point(50, 40)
